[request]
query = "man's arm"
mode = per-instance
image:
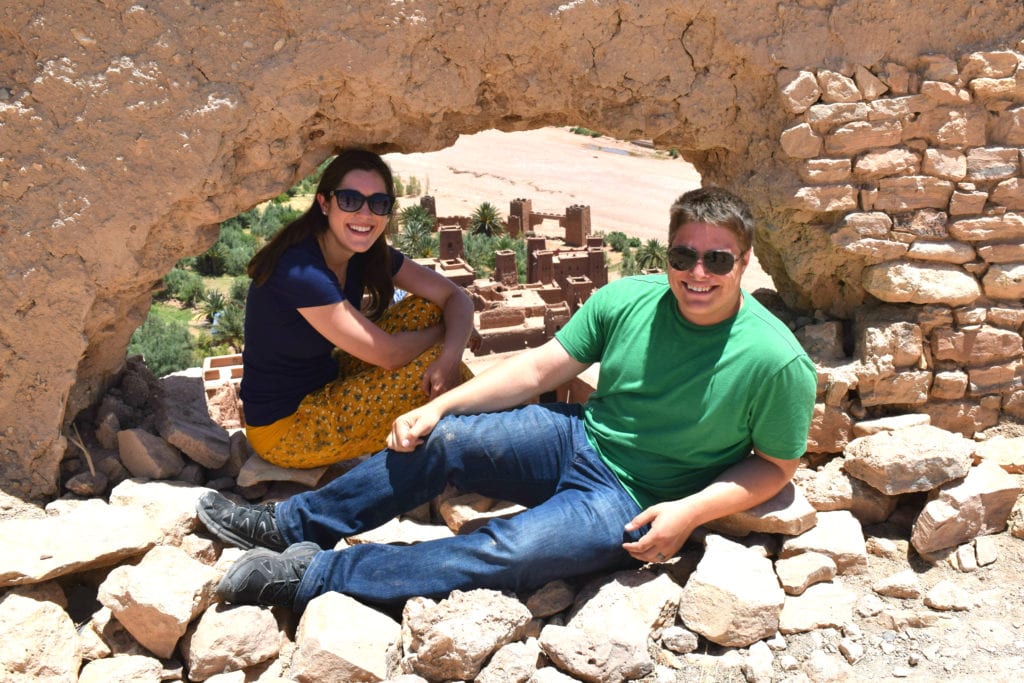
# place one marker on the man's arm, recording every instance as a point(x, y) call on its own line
point(747, 483)
point(504, 385)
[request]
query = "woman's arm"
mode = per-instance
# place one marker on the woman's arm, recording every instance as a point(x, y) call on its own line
point(354, 333)
point(443, 374)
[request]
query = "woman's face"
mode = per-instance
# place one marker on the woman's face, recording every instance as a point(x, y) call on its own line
point(355, 231)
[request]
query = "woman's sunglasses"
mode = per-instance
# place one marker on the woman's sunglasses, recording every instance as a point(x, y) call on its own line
point(716, 261)
point(351, 201)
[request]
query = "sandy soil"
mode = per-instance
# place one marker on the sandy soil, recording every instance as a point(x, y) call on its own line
point(629, 187)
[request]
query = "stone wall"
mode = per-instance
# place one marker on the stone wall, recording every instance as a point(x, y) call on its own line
point(915, 175)
point(129, 131)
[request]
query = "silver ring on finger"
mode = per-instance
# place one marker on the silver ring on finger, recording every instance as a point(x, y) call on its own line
point(661, 558)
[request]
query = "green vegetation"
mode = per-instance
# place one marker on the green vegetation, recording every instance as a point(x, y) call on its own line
point(620, 241)
point(183, 285)
point(200, 311)
point(416, 238)
point(411, 187)
point(229, 326)
point(212, 304)
point(652, 254)
point(580, 130)
point(479, 249)
point(164, 341)
point(486, 220)
point(627, 266)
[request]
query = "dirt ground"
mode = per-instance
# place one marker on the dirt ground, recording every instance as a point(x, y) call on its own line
point(983, 644)
point(629, 188)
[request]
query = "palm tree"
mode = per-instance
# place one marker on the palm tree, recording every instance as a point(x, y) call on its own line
point(213, 303)
point(230, 327)
point(416, 238)
point(416, 241)
point(651, 255)
point(416, 215)
point(486, 220)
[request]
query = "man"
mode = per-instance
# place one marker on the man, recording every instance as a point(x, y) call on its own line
point(702, 409)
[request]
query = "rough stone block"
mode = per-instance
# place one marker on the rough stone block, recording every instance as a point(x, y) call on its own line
point(836, 88)
point(985, 164)
point(976, 346)
point(826, 198)
point(921, 283)
point(799, 90)
point(1008, 227)
point(859, 136)
point(884, 163)
point(838, 534)
point(1005, 281)
point(947, 164)
point(967, 416)
point(908, 460)
point(978, 504)
point(941, 252)
point(826, 171)
point(907, 193)
point(733, 598)
point(801, 142)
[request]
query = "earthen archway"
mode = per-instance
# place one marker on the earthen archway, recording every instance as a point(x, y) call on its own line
point(128, 131)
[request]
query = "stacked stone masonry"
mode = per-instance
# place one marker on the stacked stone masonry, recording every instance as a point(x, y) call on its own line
point(916, 173)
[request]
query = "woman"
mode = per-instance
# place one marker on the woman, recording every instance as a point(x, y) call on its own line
point(328, 362)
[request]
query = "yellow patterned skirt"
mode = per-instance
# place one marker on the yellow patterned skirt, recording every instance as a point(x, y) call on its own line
point(352, 415)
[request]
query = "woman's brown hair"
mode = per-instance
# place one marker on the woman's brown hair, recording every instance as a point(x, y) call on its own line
point(313, 222)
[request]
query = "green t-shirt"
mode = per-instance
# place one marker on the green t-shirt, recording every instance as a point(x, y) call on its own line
point(678, 403)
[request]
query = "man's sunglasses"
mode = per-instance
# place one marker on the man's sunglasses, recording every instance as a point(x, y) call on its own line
point(716, 261)
point(351, 201)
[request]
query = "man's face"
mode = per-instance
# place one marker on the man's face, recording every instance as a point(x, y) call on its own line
point(703, 297)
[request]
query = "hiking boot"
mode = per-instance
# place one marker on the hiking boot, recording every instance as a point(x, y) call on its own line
point(263, 577)
point(243, 525)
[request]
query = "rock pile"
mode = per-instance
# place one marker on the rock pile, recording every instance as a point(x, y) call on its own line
point(115, 581)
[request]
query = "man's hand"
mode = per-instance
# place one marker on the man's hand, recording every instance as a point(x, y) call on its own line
point(749, 482)
point(408, 430)
point(671, 524)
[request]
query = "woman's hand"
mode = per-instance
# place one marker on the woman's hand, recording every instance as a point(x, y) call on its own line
point(476, 340)
point(441, 375)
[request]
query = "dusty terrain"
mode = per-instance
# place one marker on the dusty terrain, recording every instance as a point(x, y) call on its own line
point(628, 187)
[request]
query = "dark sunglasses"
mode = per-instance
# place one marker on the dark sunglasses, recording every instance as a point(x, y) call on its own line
point(716, 261)
point(351, 201)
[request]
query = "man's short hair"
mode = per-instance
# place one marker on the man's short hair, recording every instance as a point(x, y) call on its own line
point(716, 206)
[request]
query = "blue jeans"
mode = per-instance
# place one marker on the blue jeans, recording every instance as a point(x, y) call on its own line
point(537, 456)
